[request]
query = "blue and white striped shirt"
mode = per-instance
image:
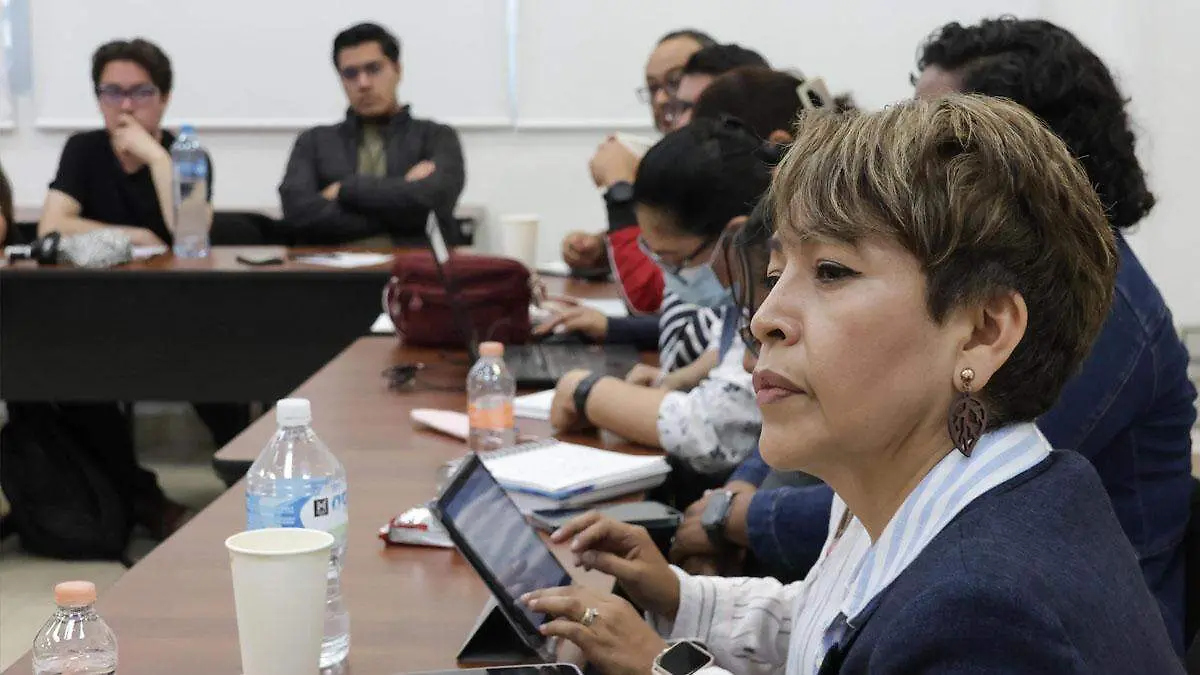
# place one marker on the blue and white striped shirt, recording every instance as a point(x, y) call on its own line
point(759, 625)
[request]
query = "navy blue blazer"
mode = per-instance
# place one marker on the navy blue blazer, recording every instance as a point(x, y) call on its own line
point(1034, 576)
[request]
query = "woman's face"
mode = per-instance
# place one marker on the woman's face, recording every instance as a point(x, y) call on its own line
point(666, 239)
point(859, 365)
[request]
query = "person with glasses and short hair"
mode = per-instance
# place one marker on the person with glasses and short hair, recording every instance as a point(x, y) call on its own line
point(120, 176)
point(374, 178)
point(613, 167)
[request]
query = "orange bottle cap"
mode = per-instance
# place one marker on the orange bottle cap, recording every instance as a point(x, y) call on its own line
point(75, 593)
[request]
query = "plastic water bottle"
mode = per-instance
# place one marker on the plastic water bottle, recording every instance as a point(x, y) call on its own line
point(297, 482)
point(490, 392)
point(75, 639)
point(193, 217)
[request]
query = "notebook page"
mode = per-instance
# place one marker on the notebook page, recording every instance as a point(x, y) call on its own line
point(565, 466)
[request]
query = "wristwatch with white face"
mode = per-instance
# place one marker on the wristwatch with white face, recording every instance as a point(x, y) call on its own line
point(683, 658)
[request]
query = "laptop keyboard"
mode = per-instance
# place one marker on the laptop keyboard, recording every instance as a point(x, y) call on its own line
point(555, 360)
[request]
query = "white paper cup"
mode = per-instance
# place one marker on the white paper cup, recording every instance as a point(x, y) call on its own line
point(518, 238)
point(279, 592)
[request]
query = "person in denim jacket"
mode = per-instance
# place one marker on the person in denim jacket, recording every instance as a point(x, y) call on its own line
point(1129, 410)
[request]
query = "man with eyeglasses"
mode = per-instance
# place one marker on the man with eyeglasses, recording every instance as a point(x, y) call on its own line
point(373, 178)
point(120, 176)
point(613, 167)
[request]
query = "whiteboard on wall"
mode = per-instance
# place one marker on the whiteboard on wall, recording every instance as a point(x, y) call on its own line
point(267, 63)
point(578, 63)
point(6, 104)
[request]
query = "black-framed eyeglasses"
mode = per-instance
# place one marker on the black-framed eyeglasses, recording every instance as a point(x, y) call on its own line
point(115, 95)
point(684, 263)
point(670, 85)
point(351, 73)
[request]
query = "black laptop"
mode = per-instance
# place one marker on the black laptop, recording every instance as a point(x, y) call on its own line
point(536, 365)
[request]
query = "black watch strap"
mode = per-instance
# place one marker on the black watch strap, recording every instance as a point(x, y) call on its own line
point(582, 391)
point(620, 192)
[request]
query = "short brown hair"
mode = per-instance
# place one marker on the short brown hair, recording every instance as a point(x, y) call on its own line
point(142, 52)
point(988, 200)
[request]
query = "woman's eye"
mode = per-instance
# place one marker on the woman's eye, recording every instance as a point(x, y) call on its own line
point(827, 270)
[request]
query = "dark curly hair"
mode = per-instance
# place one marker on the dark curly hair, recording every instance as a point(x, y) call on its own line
point(1049, 71)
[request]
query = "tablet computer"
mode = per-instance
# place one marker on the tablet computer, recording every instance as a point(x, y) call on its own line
point(504, 549)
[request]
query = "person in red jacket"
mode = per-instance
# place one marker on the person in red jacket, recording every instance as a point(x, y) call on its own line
point(615, 163)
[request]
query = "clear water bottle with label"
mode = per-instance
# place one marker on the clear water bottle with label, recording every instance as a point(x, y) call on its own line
point(193, 217)
point(490, 392)
point(75, 639)
point(298, 482)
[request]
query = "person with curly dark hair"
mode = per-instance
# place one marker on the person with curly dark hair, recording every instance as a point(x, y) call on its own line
point(1131, 407)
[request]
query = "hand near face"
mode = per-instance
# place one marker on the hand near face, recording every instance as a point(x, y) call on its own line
point(627, 553)
point(563, 415)
point(613, 163)
point(618, 641)
point(132, 141)
point(420, 171)
point(583, 250)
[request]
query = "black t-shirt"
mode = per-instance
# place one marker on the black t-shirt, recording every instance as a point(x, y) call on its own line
point(90, 172)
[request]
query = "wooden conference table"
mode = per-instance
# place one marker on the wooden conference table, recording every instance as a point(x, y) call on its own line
point(411, 608)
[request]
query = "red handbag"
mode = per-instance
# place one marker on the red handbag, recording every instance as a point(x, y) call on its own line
point(493, 292)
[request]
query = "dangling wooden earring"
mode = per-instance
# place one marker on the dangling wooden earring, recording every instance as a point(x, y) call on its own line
point(968, 417)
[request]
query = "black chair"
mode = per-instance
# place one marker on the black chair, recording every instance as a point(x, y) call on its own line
point(23, 233)
point(242, 228)
point(229, 228)
point(1191, 607)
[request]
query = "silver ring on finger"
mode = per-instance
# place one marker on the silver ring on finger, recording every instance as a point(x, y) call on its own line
point(589, 616)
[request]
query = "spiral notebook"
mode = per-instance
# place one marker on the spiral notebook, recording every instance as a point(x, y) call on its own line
point(554, 474)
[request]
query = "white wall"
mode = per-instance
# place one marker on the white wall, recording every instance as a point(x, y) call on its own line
point(1148, 43)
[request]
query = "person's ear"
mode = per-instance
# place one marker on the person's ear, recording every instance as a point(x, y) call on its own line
point(780, 137)
point(994, 331)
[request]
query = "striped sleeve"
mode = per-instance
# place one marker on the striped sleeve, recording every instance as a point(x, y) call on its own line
point(746, 623)
point(685, 332)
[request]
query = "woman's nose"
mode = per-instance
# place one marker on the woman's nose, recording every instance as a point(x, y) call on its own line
point(771, 323)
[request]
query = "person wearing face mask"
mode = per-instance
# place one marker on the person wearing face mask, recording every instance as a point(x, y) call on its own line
point(692, 187)
point(612, 168)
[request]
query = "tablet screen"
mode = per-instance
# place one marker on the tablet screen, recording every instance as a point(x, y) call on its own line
point(500, 538)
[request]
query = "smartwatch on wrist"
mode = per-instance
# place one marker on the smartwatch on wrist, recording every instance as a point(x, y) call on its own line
point(716, 514)
point(620, 192)
point(683, 658)
point(582, 391)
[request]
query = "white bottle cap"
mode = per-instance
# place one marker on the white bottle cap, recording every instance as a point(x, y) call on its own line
point(293, 412)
